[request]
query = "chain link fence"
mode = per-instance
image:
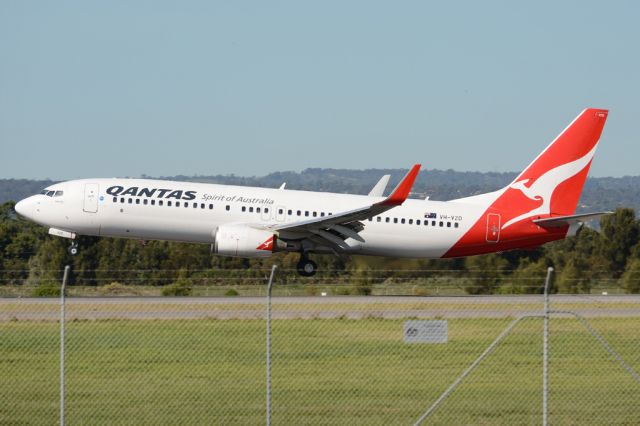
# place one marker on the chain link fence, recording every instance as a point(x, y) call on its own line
point(334, 359)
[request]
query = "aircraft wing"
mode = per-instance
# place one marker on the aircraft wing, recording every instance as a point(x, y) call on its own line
point(334, 229)
point(555, 222)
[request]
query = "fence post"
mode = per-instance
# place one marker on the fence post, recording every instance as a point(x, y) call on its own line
point(545, 351)
point(269, 287)
point(62, 321)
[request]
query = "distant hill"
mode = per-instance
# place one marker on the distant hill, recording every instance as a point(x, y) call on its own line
point(599, 193)
point(17, 189)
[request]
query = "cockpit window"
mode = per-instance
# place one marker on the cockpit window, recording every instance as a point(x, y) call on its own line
point(50, 193)
point(44, 191)
point(58, 194)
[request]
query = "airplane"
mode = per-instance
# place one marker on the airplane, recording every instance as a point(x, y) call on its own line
point(536, 208)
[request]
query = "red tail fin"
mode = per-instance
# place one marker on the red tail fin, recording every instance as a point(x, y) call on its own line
point(549, 186)
point(552, 183)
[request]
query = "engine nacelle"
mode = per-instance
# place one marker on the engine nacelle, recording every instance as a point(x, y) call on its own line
point(244, 241)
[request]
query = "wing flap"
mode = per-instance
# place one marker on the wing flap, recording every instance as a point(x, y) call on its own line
point(348, 224)
point(331, 238)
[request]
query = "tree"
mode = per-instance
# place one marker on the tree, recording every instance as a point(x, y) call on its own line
point(19, 240)
point(485, 271)
point(47, 266)
point(528, 278)
point(574, 278)
point(631, 277)
point(620, 233)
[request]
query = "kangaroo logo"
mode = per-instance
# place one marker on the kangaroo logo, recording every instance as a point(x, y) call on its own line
point(542, 189)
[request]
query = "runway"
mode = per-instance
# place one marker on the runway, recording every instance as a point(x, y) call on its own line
point(316, 307)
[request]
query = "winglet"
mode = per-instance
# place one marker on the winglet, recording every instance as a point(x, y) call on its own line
point(378, 189)
point(401, 192)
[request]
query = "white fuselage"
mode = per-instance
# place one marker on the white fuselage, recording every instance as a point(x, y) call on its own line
point(536, 208)
point(192, 212)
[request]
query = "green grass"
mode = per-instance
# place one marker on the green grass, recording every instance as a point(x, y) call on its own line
point(337, 371)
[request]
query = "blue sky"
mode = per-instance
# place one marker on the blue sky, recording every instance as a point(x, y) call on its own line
point(125, 88)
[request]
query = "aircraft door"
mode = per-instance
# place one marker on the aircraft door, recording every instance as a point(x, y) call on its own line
point(91, 197)
point(493, 228)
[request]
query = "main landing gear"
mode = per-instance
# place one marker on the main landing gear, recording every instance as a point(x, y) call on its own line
point(307, 267)
point(73, 248)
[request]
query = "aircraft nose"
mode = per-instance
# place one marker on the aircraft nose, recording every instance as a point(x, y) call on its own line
point(24, 208)
point(20, 207)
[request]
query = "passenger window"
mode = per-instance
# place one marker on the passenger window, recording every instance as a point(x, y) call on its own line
point(153, 202)
point(145, 202)
point(379, 219)
point(122, 200)
point(402, 220)
point(160, 202)
point(228, 207)
point(321, 214)
point(315, 214)
point(266, 209)
point(195, 205)
point(455, 225)
point(202, 205)
point(299, 213)
point(137, 200)
point(115, 199)
point(177, 203)
point(244, 209)
point(395, 220)
point(433, 223)
point(130, 201)
point(280, 211)
point(210, 206)
point(306, 213)
point(289, 212)
point(250, 209)
point(448, 224)
point(386, 219)
point(417, 221)
point(186, 205)
point(441, 224)
point(169, 203)
point(369, 219)
point(257, 209)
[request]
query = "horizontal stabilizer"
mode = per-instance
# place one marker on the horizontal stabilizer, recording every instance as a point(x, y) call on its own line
point(556, 222)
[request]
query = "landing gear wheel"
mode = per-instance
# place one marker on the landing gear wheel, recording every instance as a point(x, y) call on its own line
point(73, 249)
point(307, 268)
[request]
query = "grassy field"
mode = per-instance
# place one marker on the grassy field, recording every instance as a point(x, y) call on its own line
point(325, 371)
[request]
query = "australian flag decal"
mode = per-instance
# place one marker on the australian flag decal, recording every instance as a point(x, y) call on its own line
point(430, 215)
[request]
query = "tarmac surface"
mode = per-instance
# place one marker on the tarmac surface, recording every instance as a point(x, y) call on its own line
point(315, 307)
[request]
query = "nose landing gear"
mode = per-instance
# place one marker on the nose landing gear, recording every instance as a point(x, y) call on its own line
point(73, 248)
point(306, 267)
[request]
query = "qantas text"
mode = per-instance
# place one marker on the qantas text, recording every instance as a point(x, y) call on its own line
point(152, 192)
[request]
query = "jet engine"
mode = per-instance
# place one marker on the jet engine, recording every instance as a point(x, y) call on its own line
point(244, 241)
